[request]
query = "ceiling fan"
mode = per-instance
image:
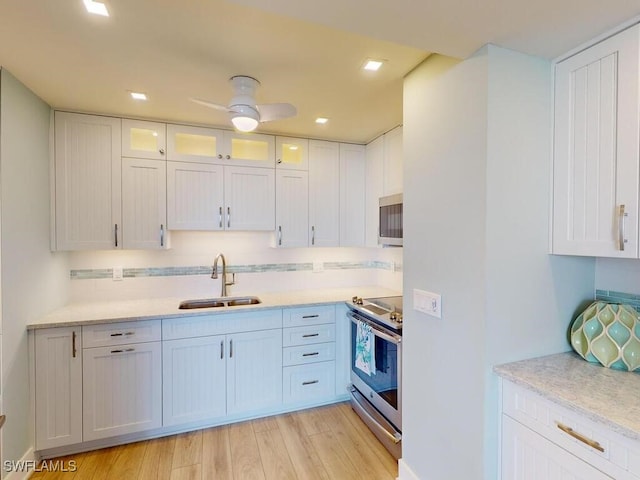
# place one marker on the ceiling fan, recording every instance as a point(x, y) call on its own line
point(245, 113)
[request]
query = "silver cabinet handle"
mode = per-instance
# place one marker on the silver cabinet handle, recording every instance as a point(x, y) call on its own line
point(220, 156)
point(221, 349)
point(311, 316)
point(116, 234)
point(228, 157)
point(313, 354)
point(161, 151)
point(231, 348)
point(309, 335)
point(73, 344)
point(279, 161)
point(313, 235)
point(161, 235)
point(228, 217)
point(120, 334)
point(578, 436)
point(622, 215)
point(311, 382)
point(124, 350)
point(220, 217)
point(279, 234)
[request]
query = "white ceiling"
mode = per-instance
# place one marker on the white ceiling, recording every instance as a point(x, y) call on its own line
point(176, 49)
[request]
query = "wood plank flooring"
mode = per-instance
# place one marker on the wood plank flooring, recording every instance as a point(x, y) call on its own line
point(324, 443)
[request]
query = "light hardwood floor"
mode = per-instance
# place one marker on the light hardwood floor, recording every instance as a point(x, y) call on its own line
point(327, 443)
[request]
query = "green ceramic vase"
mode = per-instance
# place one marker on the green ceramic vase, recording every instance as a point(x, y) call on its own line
point(609, 334)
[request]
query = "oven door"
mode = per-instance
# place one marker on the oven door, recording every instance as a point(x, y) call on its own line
point(383, 387)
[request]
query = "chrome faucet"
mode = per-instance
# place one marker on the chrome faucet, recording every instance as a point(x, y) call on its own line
point(223, 282)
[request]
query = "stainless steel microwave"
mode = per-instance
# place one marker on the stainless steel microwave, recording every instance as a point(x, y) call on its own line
point(390, 221)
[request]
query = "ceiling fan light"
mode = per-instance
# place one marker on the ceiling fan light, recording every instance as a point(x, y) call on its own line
point(244, 118)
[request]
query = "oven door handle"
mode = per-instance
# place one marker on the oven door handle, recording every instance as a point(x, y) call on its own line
point(377, 331)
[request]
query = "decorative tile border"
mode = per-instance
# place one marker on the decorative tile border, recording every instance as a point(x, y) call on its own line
point(619, 297)
point(102, 273)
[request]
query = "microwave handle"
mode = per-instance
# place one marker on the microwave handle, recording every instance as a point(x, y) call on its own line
point(376, 331)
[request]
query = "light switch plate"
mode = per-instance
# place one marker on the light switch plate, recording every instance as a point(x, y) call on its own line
point(117, 274)
point(427, 302)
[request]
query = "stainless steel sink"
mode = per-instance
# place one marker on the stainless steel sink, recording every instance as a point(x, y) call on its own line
point(219, 302)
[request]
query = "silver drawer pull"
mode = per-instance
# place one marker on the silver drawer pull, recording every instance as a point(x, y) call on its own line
point(310, 354)
point(579, 436)
point(125, 350)
point(120, 334)
point(310, 316)
point(310, 335)
point(310, 382)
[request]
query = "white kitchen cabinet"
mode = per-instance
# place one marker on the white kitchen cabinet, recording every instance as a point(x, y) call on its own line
point(195, 144)
point(122, 389)
point(392, 162)
point(254, 371)
point(143, 139)
point(352, 195)
point(292, 153)
point(144, 204)
point(195, 196)
point(87, 181)
point(374, 189)
point(194, 379)
point(542, 439)
point(343, 349)
point(250, 198)
point(58, 384)
point(324, 193)
point(249, 149)
point(596, 143)
point(292, 208)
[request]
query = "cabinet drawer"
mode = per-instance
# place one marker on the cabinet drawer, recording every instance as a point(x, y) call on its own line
point(606, 450)
point(107, 334)
point(297, 317)
point(299, 355)
point(309, 382)
point(220, 324)
point(308, 335)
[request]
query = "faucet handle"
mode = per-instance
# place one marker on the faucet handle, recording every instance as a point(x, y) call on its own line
point(233, 280)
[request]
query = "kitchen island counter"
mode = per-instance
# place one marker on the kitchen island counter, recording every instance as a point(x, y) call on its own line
point(606, 396)
point(157, 308)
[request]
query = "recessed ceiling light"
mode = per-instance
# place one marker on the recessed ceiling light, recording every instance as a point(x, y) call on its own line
point(138, 96)
point(373, 65)
point(97, 8)
point(321, 120)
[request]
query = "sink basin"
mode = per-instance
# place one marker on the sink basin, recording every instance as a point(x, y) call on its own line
point(219, 302)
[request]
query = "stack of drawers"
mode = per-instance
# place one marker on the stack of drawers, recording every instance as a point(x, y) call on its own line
point(308, 355)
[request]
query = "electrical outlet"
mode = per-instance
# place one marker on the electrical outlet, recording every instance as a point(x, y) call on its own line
point(318, 267)
point(117, 274)
point(427, 302)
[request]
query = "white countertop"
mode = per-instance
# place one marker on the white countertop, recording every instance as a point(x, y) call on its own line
point(154, 308)
point(604, 395)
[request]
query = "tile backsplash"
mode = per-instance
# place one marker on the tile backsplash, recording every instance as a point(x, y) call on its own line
point(619, 297)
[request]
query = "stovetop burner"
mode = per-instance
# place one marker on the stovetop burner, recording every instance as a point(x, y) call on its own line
point(385, 310)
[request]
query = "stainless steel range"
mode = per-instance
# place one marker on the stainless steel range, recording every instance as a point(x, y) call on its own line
point(376, 366)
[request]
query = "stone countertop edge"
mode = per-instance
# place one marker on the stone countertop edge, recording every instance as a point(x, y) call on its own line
point(606, 396)
point(78, 314)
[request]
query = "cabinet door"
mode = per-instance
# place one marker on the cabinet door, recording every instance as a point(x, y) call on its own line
point(528, 456)
point(324, 194)
point(194, 379)
point(254, 371)
point(249, 149)
point(393, 150)
point(352, 195)
point(374, 189)
point(250, 198)
point(292, 208)
point(194, 144)
point(87, 181)
point(122, 389)
point(195, 199)
point(596, 150)
point(292, 153)
point(58, 381)
point(144, 203)
point(141, 139)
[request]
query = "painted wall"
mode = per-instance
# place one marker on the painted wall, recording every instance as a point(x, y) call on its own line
point(33, 280)
point(477, 170)
point(618, 274)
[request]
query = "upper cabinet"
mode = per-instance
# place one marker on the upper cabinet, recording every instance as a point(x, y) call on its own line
point(352, 195)
point(292, 153)
point(392, 162)
point(324, 194)
point(596, 149)
point(87, 181)
point(142, 139)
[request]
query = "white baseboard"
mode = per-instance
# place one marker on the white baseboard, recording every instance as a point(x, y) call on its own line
point(28, 459)
point(404, 472)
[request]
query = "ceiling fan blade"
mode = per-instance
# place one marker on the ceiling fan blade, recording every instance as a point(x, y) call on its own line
point(216, 106)
point(276, 111)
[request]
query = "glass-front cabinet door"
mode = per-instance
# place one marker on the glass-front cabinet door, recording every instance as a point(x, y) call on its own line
point(292, 153)
point(249, 149)
point(141, 139)
point(194, 144)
